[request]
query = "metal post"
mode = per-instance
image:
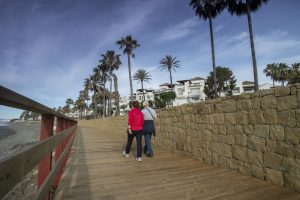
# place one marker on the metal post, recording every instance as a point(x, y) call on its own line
point(45, 164)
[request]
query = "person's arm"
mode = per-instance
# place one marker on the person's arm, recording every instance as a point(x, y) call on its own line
point(129, 122)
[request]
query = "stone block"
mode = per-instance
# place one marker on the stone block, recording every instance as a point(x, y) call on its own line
point(241, 140)
point(262, 131)
point(248, 129)
point(292, 135)
point(230, 118)
point(297, 151)
point(268, 102)
point(255, 158)
point(227, 152)
point(242, 117)
point(291, 165)
point(271, 116)
point(222, 161)
point(282, 91)
point(287, 118)
point(229, 106)
point(298, 117)
point(232, 163)
point(244, 105)
point(272, 160)
point(256, 117)
point(256, 143)
point(267, 92)
point(274, 176)
point(229, 139)
point(217, 118)
point(239, 153)
point(207, 109)
point(292, 181)
point(239, 129)
point(286, 102)
point(256, 103)
point(244, 168)
point(215, 158)
point(277, 132)
point(257, 172)
point(284, 149)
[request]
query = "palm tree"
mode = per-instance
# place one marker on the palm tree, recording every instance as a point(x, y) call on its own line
point(111, 62)
point(128, 44)
point(104, 77)
point(169, 63)
point(272, 72)
point(294, 73)
point(245, 7)
point(283, 72)
point(142, 76)
point(209, 9)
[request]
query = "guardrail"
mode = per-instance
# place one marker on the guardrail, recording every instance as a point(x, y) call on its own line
point(15, 167)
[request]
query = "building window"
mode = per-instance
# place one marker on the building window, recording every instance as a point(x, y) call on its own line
point(180, 91)
point(195, 91)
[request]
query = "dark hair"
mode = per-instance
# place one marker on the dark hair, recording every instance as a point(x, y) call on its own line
point(150, 103)
point(135, 104)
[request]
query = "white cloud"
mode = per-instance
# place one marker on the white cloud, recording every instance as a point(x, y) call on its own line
point(183, 29)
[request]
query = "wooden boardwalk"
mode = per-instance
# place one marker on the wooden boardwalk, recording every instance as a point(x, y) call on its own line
point(97, 170)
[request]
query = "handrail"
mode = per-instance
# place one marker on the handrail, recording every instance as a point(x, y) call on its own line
point(48, 183)
point(15, 100)
point(14, 168)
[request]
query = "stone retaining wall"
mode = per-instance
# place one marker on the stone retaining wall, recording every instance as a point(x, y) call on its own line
point(255, 134)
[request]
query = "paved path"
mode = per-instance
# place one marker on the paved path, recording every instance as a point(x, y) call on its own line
point(97, 170)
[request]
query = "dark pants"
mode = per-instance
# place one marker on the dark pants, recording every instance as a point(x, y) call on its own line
point(138, 135)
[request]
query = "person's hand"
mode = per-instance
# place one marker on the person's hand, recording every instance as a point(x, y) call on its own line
point(129, 131)
point(158, 128)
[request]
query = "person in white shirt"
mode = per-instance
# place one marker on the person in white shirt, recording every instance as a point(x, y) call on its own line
point(149, 127)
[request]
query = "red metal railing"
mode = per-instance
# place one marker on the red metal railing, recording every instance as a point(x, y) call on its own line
point(15, 167)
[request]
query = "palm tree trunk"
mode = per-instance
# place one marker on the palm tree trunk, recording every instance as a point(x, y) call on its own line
point(171, 85)
point(213, 57)
point(273, 83)
point(110, 97)
point(104, 100)
point(116, 95)
point(130, 80)
point(143, 90)
point(171, 79)
point(252, 49)
point(95, 105)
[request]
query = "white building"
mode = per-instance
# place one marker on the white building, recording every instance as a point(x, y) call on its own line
point(189, 91)
point(248, 87)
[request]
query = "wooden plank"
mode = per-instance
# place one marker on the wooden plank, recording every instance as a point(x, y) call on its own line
point(15, 167)
point(15, 100)
point(97, 170)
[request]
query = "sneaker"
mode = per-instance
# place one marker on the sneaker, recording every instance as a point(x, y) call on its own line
point(139, 159)
point(126, 155)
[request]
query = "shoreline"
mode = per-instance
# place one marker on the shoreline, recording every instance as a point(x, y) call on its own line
point(17, 136)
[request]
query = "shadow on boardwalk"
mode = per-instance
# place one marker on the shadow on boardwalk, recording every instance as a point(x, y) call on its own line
point(97, 170)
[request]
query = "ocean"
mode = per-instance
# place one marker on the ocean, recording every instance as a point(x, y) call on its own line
point(4, 122)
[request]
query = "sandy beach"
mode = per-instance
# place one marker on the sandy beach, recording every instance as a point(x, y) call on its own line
point(13, 138)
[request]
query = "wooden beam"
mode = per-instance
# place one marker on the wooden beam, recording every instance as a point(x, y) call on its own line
point(48, 183)
point(15, 100)
point(15, 167)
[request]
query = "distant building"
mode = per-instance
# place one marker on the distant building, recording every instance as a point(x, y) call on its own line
point(189, 91)
point(248, 87)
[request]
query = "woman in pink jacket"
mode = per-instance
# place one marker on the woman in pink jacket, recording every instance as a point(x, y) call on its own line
point(135, 127)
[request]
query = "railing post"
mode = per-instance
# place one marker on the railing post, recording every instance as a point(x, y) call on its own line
point(45, 164)
point(59, 148)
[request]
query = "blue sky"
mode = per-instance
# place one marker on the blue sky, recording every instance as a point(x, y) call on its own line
point(48, 47)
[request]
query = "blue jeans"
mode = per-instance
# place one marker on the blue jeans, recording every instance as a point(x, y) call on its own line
point(148, 146)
